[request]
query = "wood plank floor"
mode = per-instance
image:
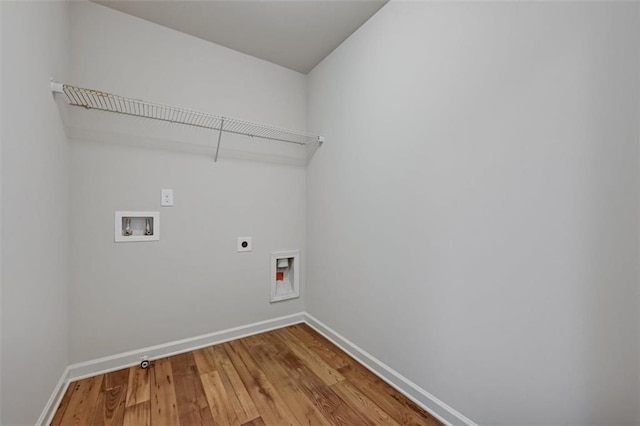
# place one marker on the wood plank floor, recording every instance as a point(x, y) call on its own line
point(290, 376)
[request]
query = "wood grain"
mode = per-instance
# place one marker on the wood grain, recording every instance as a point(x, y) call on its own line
point(290, 376)
point(330, 353)
point(366, 408)
point(328, 374)
point(138, 414)
point(193, 407)
point(222, 412)
point(239, 397)
point(164, 407)
point(111, 406)
point(266, 356)
point(255, 422)
point(115, 379)
point(138, 390)
point(330, 405)
point(401, 409)
point(83, 402)
point(241, 402)
point(270, 405)
point(204, 360)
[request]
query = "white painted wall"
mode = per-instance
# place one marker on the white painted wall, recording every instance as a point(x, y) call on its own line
point(131, 295)
point(473, 221)
point(35, 235)
point(1, 138)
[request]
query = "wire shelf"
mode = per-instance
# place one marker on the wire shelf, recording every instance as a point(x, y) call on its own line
point(102, 101)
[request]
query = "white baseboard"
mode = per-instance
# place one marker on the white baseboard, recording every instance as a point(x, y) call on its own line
point(424, 399)
point(128, 359)
point(54, 399)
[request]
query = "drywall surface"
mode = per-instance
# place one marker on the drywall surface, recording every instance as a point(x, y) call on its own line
point(35, 242)
point(474, 221)
point(1, 137)
point(192, 281)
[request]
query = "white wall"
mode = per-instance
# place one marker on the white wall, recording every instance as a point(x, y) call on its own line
point(473, 221)
point(34, 189)
point(131, 295)
point(1, 138)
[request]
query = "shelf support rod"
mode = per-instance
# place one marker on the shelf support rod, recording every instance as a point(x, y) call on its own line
point(219, 138)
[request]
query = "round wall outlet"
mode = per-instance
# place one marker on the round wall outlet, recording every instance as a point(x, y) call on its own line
point(244, 244)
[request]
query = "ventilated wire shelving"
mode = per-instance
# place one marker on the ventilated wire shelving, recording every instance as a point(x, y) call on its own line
point(102, 101)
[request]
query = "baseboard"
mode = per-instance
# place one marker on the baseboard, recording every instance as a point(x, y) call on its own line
point(433, 405)
point(424, 399)
point(54, 400)
point(128, 359)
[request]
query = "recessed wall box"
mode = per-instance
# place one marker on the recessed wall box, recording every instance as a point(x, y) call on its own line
point(137, 226)
point(285, 275)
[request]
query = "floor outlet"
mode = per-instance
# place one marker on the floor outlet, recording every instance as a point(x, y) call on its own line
point(144, 362)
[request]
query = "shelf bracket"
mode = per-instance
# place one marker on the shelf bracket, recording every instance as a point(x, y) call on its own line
point(215, 160)
point(57, 87)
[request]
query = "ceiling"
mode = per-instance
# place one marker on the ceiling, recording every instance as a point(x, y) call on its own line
point(296, 34)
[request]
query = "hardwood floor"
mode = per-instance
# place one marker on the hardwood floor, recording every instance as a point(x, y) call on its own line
point(290, 376)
